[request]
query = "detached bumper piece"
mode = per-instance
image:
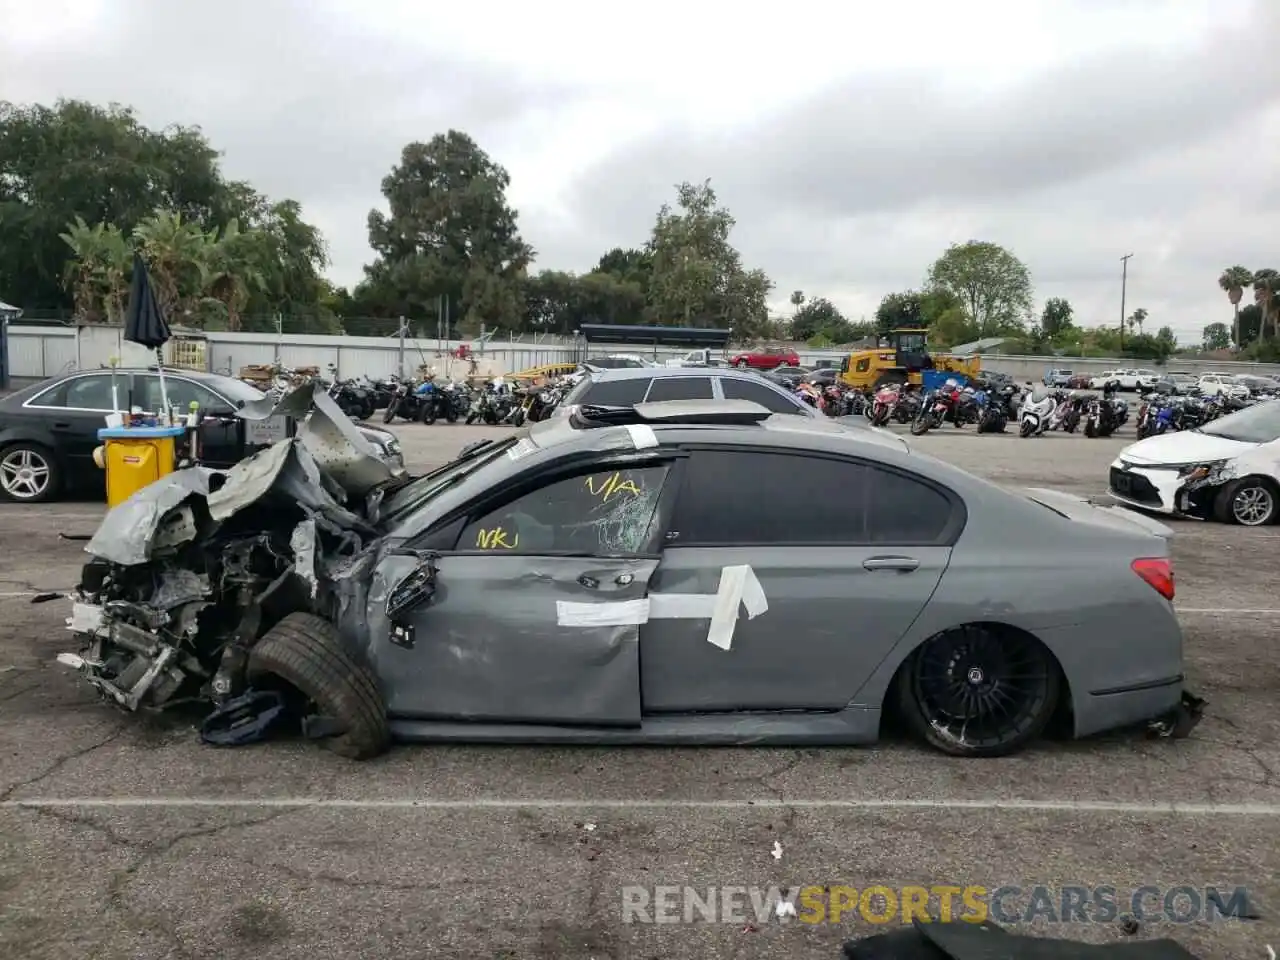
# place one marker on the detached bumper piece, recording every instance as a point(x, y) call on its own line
point(962, 940)
point(1178, 723)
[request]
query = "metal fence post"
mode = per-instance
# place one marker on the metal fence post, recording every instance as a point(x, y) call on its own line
point(400, 349)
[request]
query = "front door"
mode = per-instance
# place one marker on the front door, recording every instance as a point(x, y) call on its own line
point(536, 608)
point(518, 639)
point(221, 431)
point(77, 409)
point(787, 579)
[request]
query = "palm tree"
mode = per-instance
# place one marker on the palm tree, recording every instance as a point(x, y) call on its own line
point(175, 254)
point(98, 271)
point(1137, 318)
point(1266, 294)
point(1233, 281)
point(230, 271)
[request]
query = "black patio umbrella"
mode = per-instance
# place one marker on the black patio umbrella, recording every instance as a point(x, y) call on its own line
point(144, 321)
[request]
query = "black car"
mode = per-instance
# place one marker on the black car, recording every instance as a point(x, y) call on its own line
point(48, 431)
point(787, 377)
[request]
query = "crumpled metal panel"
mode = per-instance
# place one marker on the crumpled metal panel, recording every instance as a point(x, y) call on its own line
point(126, 533)
point(330, 436)
point(509, 661)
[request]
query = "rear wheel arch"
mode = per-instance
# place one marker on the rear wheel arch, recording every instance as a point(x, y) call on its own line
point(1060, 721)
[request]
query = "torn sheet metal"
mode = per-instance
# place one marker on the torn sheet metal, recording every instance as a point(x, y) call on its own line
point(177, 586)
point(329, 435)
point(740, 589)
point(126, 533)
point(303, 543)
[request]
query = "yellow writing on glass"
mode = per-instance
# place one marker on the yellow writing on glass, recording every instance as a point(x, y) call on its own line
point(606, 488)
point(497, 539)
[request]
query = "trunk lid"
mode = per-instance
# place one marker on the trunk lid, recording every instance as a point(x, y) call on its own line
point(1081, 510)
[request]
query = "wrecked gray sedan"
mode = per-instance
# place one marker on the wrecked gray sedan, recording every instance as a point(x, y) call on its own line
point(683, 572)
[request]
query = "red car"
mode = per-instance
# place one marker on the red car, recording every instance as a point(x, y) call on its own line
point(767, 359)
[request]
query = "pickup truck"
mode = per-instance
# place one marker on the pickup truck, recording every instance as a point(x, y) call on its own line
point(696, 358)
point(768, 359)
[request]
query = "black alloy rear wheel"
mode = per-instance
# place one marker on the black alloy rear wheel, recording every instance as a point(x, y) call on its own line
point(978, 691)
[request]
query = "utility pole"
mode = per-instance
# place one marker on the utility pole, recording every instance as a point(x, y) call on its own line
point(1124, 284)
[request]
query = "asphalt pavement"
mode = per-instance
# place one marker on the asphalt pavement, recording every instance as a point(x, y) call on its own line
point(125, 837)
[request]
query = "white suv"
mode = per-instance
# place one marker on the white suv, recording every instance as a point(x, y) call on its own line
point(1213, 384)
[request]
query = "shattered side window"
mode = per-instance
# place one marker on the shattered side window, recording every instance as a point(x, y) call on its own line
point(606, 512)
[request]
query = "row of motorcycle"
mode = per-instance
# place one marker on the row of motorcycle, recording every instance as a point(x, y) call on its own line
point(992, 404)
point(1160, 413)
point(427, 399)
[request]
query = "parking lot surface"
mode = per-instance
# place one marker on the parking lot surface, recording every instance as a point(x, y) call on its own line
point(142, 843)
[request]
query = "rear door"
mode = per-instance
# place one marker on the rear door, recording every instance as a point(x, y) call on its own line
point(734, 388)
point(819, 566)
point(74, 411)
point(536, 613)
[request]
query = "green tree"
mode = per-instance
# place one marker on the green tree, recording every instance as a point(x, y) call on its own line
point(818, 316)
point(449, 232)
point(993, 284)
point(1216, 336)
point(698, 277)
point(899, 311)
point(78, 163)
point(1266, 294)
point(1250, 324)
point(1056, 316)
point(1233, 280)
point(1137, 319)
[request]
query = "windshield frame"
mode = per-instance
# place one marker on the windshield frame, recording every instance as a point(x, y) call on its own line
point(1265, 411)
point(416, 493)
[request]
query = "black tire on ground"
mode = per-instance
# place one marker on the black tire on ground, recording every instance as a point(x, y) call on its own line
point(888, 377)
point(304, 651)
point(1090, 430)
point(742, 364)
point(1025, 428)
point(23, 467)
point(428, 412)
point(952, 679)
point(921, 424)
point(389, 414)
point(1251, 502)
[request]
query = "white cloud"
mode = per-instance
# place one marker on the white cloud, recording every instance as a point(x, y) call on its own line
point(853, 142)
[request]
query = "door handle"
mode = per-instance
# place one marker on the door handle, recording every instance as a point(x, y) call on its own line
point(61, 425)
point(900, 564)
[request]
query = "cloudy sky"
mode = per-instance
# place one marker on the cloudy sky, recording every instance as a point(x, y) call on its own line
point(853, 142)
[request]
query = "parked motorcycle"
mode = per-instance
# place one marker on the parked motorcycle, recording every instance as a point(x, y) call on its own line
point(441, 401)
point(883, 404)
point(1034, 413)
point(1066, 415)
point(1105, 414)
point(408, 400)
point(937, 407)
point(353, 397)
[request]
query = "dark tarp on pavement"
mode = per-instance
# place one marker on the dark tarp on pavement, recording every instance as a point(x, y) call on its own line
point(963, 940)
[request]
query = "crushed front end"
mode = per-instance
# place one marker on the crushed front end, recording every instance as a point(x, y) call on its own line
point(188, 574)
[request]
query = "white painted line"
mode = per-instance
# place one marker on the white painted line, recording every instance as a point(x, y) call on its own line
point(321, 803)
point(1231, 611)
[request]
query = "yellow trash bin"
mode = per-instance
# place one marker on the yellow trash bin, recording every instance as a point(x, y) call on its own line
point(137, 456)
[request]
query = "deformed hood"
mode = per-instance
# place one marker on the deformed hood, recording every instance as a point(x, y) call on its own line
point(328, 468)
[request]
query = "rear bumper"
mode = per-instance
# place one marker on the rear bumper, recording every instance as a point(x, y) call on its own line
point(1166, 709)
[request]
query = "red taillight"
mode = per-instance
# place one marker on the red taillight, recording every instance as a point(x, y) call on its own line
point(1158, 572)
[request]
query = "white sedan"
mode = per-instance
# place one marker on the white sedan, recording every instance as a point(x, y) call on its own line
point(1227, 470)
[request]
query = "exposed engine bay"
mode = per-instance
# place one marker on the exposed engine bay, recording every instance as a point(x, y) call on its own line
point(187, 575)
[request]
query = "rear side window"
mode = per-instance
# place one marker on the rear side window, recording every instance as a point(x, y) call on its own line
point(758, 393)
point(680, 388)
point(614, 393)
point(792, 498)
